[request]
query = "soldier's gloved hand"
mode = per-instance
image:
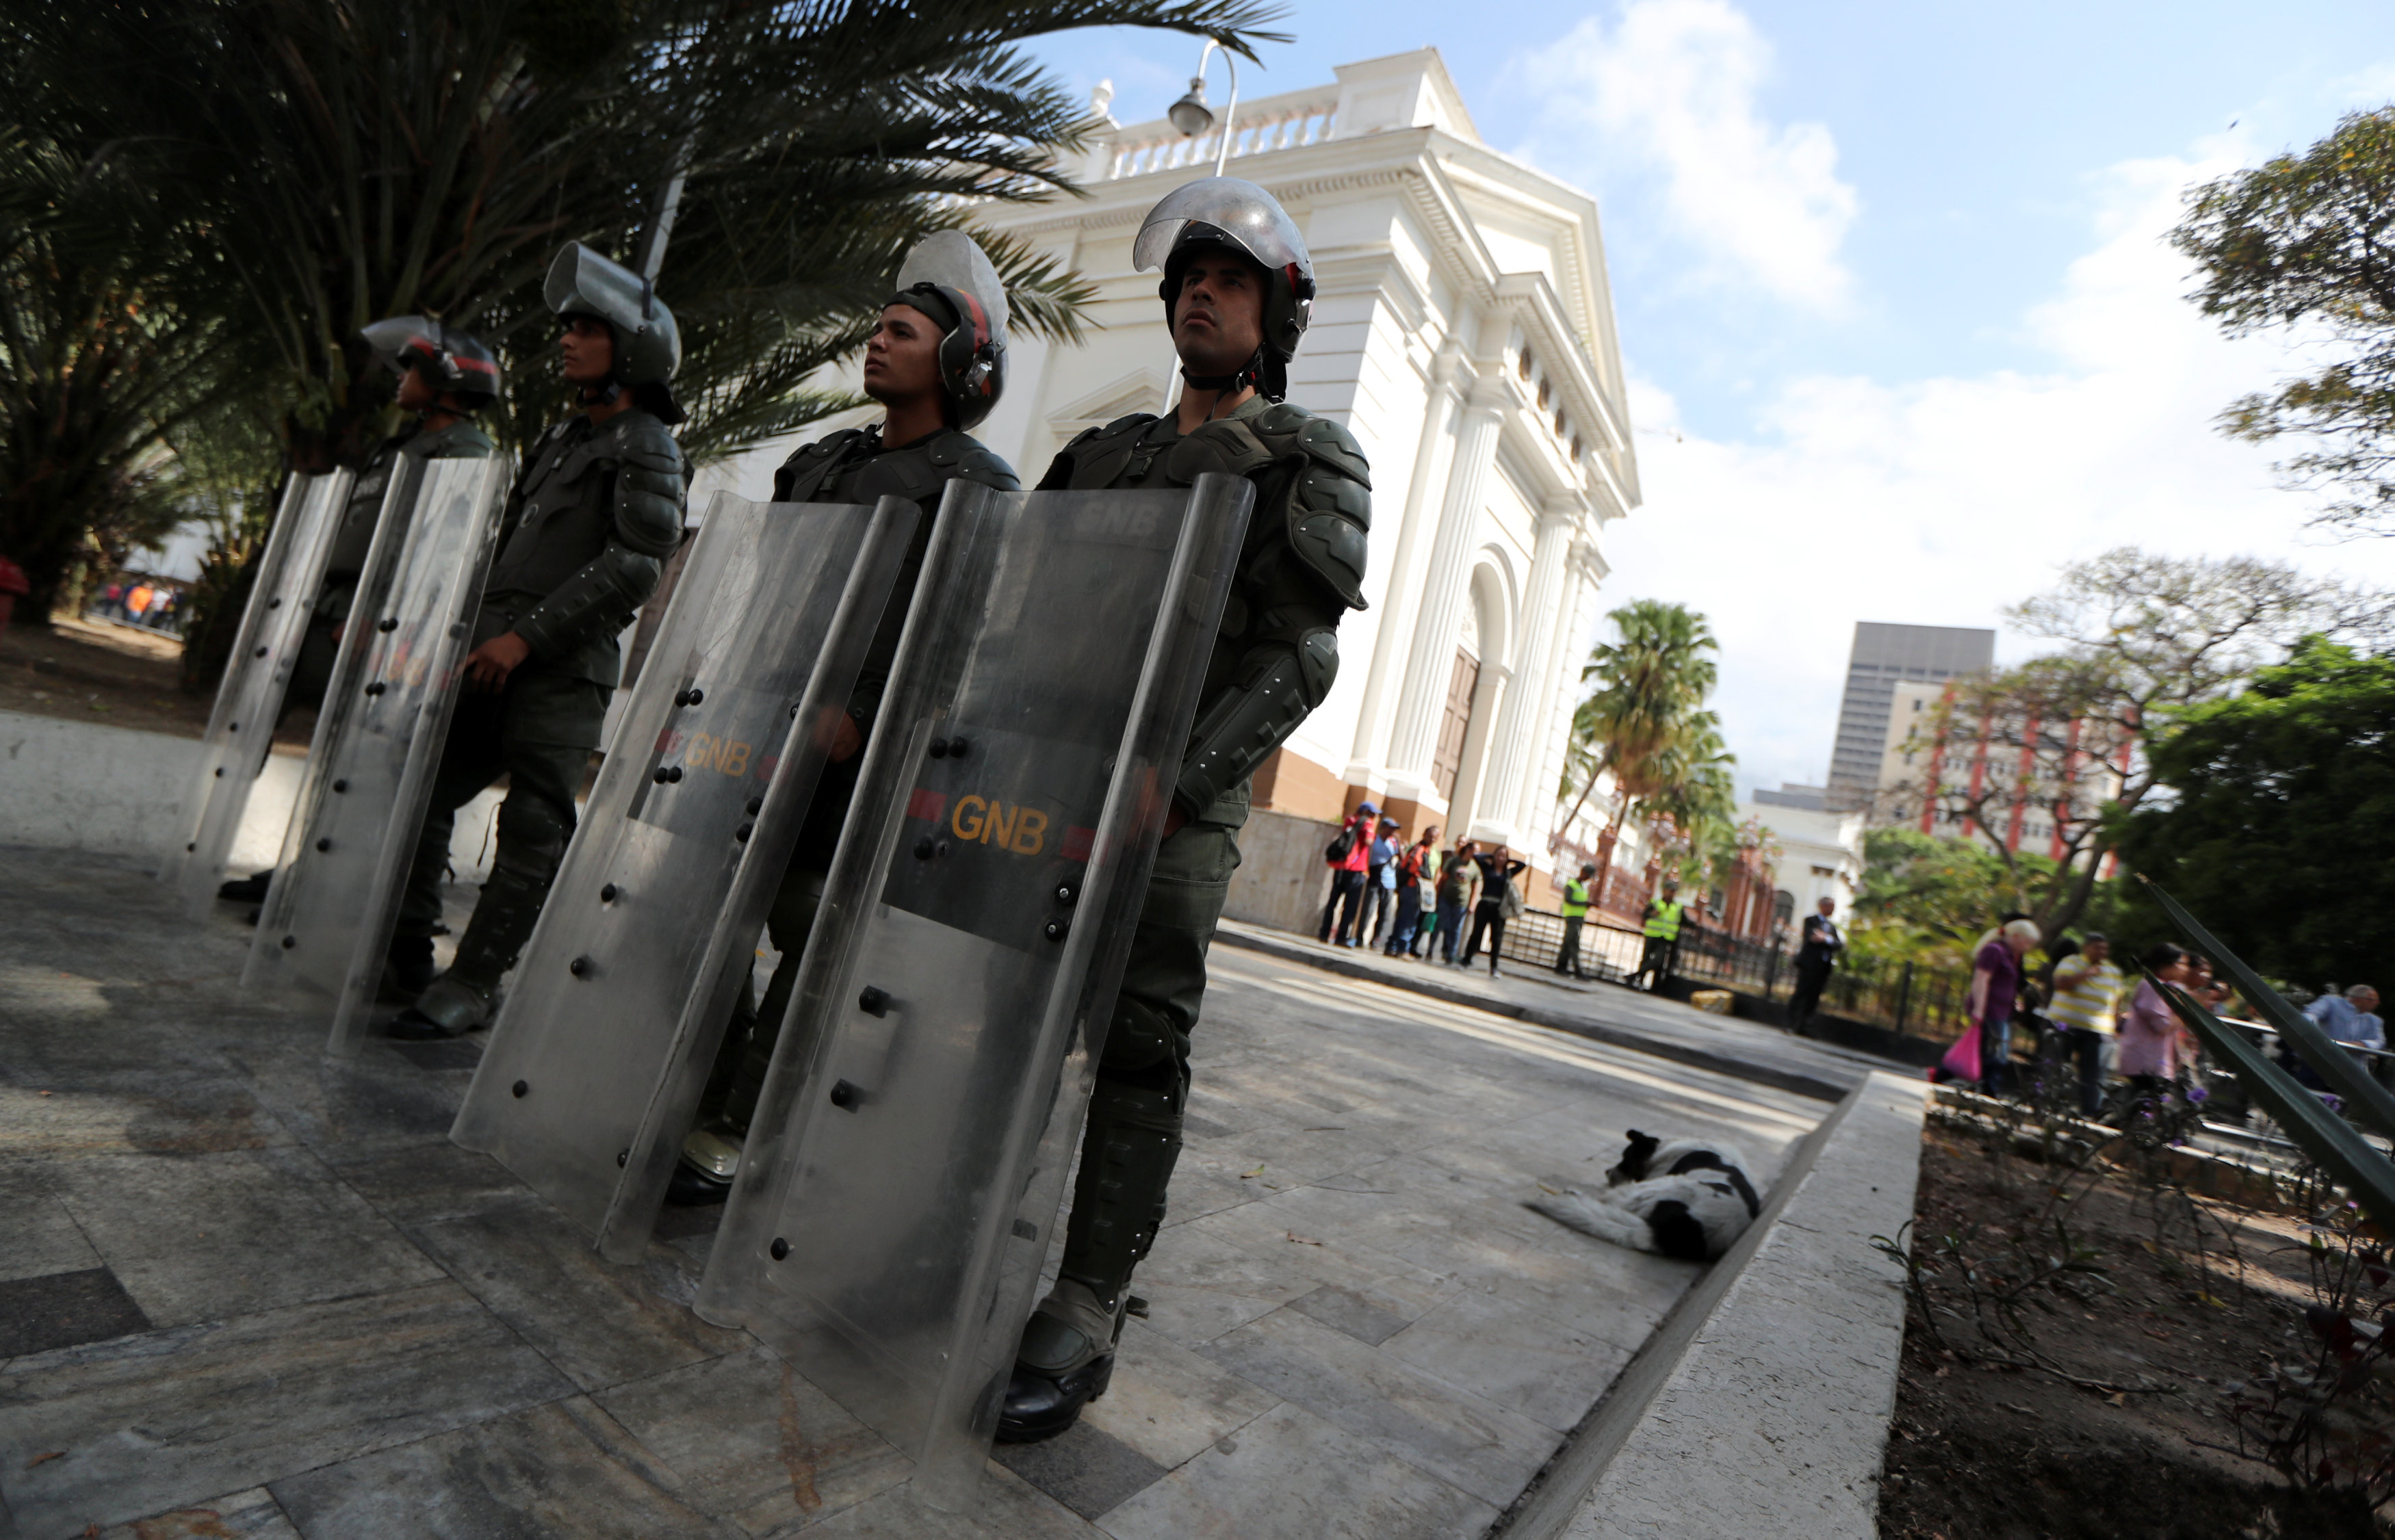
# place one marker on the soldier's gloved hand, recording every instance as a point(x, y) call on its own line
point(1174, 819)
point(487, 666)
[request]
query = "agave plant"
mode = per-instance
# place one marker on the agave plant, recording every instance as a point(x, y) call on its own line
point(2327, 1137)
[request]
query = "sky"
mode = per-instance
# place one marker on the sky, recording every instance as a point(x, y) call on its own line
point(1902, 332)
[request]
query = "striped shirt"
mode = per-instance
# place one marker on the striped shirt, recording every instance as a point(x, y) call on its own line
point(2085, 993)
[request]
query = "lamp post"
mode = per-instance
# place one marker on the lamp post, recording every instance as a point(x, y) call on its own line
point(1191, 115)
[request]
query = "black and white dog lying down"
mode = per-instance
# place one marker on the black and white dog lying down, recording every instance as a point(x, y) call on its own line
point(1689, 1198)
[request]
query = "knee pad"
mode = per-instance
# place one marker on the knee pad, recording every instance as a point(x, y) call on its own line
point(1140, 1037)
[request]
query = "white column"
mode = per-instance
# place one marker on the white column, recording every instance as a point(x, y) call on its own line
point(1573, 621)
point(1402, 599)
point(1431, 662)
point(1521, 727)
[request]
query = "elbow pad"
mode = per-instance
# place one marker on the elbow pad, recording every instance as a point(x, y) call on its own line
point(1279, 687)
point(603, 596)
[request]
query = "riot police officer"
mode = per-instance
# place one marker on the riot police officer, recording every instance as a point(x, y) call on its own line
point(936, 362)
point(444, 378)
point(1237, 289)
point(598, 507)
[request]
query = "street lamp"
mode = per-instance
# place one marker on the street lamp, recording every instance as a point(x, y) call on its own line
point(1191, 115)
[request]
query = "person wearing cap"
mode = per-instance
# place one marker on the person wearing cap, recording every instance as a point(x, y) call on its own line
point(444, 378)
point(936, 362)
point(598, 507)
point(1237, 290)
point(1348, 855)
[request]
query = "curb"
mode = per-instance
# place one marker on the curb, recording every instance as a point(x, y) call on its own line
point(1696, 1058)
point(1761, 1403)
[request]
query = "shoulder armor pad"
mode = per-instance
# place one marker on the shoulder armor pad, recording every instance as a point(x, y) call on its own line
point(643, 441)
point(1292, 428)
point(825, 447)
point(978, 464)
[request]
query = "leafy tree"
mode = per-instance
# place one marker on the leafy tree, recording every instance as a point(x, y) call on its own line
point(2308, 241)
point(2281, 835)
point(1928, 897)
point(1645, 726)
point(91, 370)
point(2146, 638)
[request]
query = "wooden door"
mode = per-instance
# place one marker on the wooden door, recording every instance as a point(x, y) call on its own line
point(1455, 724)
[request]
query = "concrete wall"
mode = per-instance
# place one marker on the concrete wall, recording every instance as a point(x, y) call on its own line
point(1281, 881)
point(70, 785)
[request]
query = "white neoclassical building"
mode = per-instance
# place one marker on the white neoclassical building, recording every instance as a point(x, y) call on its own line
point(1464, 334)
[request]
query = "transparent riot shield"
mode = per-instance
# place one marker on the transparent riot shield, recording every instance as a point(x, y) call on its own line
point(241, 729)
point(327, 918)
point(598, 1060)
point(906, 1161)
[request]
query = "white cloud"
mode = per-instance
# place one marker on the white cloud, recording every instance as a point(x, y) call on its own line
point(1673, 87)
point(1940, 501)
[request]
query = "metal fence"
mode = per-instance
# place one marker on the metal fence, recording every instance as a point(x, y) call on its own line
point(1903, 997)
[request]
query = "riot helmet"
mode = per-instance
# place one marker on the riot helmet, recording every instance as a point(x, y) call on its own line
point(452, 362)
point(951, 281)
point(1227, 213)
point(647, 342)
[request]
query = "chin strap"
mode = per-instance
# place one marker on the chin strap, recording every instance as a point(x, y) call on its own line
point(1228, 384)
point(599, 395)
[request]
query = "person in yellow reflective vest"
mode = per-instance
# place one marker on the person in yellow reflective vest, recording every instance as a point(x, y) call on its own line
point(1663, 938)
point(1575, 915)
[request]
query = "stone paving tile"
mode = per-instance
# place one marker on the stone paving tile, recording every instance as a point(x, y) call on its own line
point(416, 1184)
point(761, 1446)
point(1086, 1469)
point(64, 1111)
point(1292, 1476)
point(42, 1237)
point(1514, 1358)
point(252, 1515)
point(65, 1310)
point(1446, 1430)
point(205, 1237)
point(564, 1470)
point(1345, 1311)
point(1167, 1403)
point(1007, 1505)
point(601, 1322)
point(376, 1100)
point(170, 1419)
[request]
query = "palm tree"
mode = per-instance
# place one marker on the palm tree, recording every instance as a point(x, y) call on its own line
point(334, 160)
point(1643, 722)
point(92, 371)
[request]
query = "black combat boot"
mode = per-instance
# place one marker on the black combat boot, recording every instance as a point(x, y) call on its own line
point(1067, 1356)
point(249, 889)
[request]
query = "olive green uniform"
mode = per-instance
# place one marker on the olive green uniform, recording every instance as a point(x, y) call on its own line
point(849, 467)
point(598, 507)
point(1301, 569)
point(345, 563)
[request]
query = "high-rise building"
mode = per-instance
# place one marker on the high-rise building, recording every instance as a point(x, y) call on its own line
point(1882, 656)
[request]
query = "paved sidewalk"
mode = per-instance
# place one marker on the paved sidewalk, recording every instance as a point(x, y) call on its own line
point(1606, 1013)
point(246, 1291)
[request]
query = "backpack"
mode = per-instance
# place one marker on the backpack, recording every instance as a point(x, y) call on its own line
point(1341, 848)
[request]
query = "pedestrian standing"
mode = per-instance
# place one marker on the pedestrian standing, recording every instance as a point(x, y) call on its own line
point(1459, 884)
point(1816, 954)
point(1498, 901)
point(1347, 855)
point(1575, 915)
point(1661, 920)
point(2149, 1056)
point(2350, 1019)
point(1995, 986)
point(2087, 994)
point(1412, 871)
point(1380, 883)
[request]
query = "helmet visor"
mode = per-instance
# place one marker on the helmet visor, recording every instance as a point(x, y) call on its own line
point(951, 259)
point(402, 340)
point(1246, 213)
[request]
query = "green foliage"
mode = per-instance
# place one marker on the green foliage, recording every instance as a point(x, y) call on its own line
point(2308, 240)
point(1644, 722)
point(2282, 829)
point(1925, 899)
